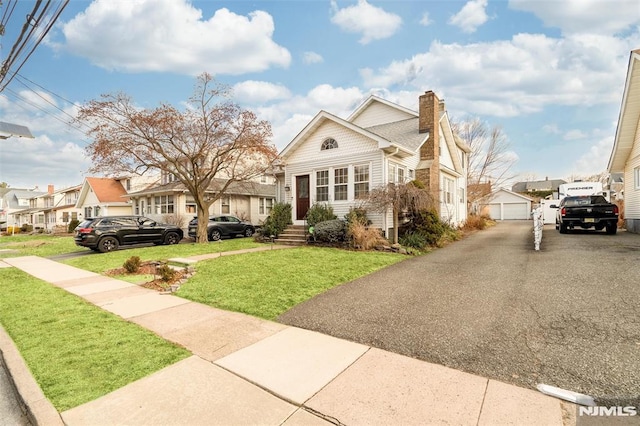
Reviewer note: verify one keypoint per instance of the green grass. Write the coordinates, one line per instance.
(104, 261)
(37, 245)
(76, 351)
(266, 284)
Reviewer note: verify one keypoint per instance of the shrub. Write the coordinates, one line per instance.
(166, 272)
(12, 230)
(428, 224)
(414, 240)
(474, 222)
(357, 215)
(175, 219)
(364, 238)
(26, 228)
(330, 231)
(73, 224)
(320, 213)
(277, 221)
(132, 264)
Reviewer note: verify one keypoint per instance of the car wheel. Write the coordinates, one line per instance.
(214, 235)
(563, 228)
(108, 244)
(612, 228)
(172, 238)
(248, 232)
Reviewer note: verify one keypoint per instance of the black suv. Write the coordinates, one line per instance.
(223, 226)
(107, 233)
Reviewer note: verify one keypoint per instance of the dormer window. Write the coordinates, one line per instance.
(329, 144)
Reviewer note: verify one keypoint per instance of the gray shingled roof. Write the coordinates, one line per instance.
(404, 133)
(236, 188)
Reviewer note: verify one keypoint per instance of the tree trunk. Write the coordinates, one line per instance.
(395, 225)
(203, 220)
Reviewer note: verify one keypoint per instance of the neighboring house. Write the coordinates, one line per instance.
(616, 187)
(337, 161)
(625, 156)
(503, 204)
(251, 201)
(103, 197)
(64, 209)
(537, 186)
(19, 208)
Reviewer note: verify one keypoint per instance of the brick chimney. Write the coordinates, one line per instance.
(50, 189)
(428, 170)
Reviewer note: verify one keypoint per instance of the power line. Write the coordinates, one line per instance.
(37, 25)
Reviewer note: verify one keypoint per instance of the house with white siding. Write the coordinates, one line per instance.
(625, 156)
(337, 161)
(251, 200)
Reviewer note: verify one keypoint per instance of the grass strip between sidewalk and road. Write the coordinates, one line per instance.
(268, 283)
(76, 351)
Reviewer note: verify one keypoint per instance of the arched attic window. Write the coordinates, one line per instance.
(329, 143)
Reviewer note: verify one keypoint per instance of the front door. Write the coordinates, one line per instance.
(302, 196)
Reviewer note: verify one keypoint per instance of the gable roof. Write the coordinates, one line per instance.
(373, 99)
(402, 132)
(107, 190)
(323, 117)
(628, 118)
(515, 194)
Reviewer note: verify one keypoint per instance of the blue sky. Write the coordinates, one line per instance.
(549, 72)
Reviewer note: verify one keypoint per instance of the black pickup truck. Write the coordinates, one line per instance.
(586, 211)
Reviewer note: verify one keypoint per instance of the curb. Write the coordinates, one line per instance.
(38, 408)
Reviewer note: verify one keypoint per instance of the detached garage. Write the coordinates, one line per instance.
(503, 204)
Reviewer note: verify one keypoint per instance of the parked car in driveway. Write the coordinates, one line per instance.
(222, 226)
(107, 233)
(586, 212)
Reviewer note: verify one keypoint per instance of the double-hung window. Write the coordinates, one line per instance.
(322, 185)
(265, 205)
(340, 183)
(361, 181)
(448, 190)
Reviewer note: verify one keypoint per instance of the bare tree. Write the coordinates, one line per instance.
(489, 161)
(399, 197)
(212, 139)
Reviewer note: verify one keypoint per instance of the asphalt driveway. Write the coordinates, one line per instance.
(567, 315)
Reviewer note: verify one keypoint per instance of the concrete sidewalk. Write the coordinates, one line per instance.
(245, 370)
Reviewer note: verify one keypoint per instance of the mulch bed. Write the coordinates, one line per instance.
(149, 268)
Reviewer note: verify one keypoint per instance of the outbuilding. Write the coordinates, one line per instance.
(503, 204)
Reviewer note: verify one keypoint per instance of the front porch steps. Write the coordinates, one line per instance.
(293, 235)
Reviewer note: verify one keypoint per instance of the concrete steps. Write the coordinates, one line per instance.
(294, 235)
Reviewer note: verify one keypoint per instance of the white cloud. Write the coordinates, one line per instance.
(172, 36)
(582, 16)
(574, 134)
(372, 22)
(425, 21)
(471, 16)
(595, 159)
(507, 78)
(255, 92)
(312, 58)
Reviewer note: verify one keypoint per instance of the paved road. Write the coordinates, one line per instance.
(10, 412)
(567, 316)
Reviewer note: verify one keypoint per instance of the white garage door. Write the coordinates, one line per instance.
(515, 211)
(509, 211)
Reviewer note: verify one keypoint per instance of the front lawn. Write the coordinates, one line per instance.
(266, 284)
(100, 262)
(43, 245)
(76, 351)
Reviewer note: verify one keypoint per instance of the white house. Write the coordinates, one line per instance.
(339, 161)
(625, 156)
